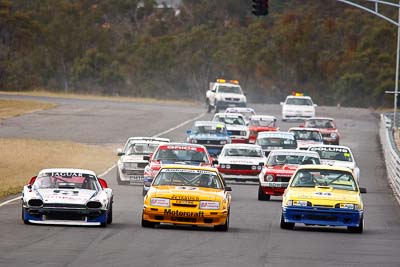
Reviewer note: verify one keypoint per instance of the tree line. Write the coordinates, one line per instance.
(333, 52)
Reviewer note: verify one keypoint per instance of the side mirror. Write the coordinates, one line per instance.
(282, 103)
(261, 164)
(315, 105)
(120, 152)
(215, 162)
(103, 183)
(228, 188)
(188, 132)
(32, 180)
(146, 158)
(363, 190)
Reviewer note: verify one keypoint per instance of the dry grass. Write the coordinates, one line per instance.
(12, 108)
(21, 159)
(40, 92)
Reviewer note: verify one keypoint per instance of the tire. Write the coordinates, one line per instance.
(144, 192)
(110, 214)
(23, 216)
(357, 229)
(216, 107)
(285, 225)
(261, 195)
(147, 224)
(224, 227)
(119, 181)
(209, 107)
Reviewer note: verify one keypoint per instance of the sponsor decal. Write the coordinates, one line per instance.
(65, 197)
(323, 194)
(66, 174)
(169, 212)
(180, 148)
(331, 149)
(185, 197)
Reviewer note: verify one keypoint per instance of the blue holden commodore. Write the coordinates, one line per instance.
(212, 135)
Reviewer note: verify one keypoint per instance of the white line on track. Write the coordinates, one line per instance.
(112, 167)
(9, 201)
(180, 125)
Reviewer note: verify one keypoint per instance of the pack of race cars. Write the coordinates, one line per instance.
(187, 182)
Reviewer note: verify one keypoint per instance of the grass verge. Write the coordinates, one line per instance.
(21, 159)
(12, 108)
(99, 97)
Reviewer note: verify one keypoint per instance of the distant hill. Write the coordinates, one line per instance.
(333, 52)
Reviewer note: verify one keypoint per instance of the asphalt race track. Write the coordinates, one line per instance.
(254, 238)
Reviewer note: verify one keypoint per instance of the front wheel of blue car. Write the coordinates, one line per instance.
(357, 229)
(286, 225)
(110, 214)
(23, 216)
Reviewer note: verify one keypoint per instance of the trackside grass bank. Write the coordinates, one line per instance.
(99, 97)
(12, 108)
(20, 159)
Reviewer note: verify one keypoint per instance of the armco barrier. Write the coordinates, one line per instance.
(391, 154)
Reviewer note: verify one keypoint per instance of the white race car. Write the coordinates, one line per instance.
(241, 162)
(306, 137)
(340, 156)
(67, 197)
(236, 126)
(297, 107)
(246, 112)
(130, 166)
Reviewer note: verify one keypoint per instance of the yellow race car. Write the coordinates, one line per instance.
(323, 195)
(188, 195)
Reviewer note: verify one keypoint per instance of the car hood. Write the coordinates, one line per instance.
(322, 195)
(186, 193)
(338, 163)
(298, 107)
(208, 137)
(326, 131)
(66, 196)
(282, 169)
(262, 129)
(157, 165)
(240, 160)
(232, 127)
(232, 95)
(307, 143)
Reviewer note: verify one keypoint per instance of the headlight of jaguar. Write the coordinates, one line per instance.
(333, 135)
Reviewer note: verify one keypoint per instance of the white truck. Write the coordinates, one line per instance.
(223, 94)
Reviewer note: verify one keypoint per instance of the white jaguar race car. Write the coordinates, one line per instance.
(67, 197)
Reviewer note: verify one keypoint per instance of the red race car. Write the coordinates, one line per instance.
(174, 153)
(281, 164)
(327, 126)
(261, 123)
